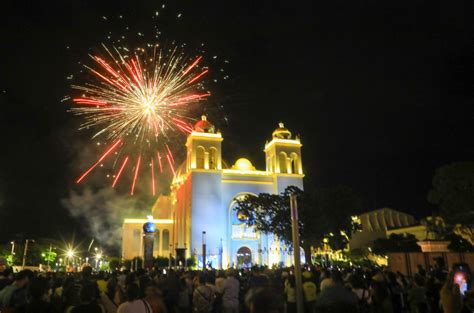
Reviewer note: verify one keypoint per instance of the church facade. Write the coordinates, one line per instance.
(200, 208)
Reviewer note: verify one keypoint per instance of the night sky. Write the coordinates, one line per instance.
(379, 91)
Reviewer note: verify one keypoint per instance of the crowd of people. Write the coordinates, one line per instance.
(256, 290)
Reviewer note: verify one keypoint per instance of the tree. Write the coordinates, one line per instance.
(114, 263)
(396, 243)
(325, 213)
(161, 262)
(435, 227)
(360, 257)
(49, 256)
(5, 253)
(458, 243)
(453, 193)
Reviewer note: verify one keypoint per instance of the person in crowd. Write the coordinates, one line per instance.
(309, 292)
(220, 281)
(336, 297)
(265, 300)
(433, 289)
(154, 297)
(396, 291)
(120, 294)
(56, 292)
(101, 282)
(38, 297)
(88, 302)
(6, 278)
(203, 296)
(184, 300)
(230, 293)
(359, 286)
(134, 304)
(417, 298)
(85, 281)
(381, 299)
(450, 296)
(170, 287)
(14, 295)
(257, 280)
(326, 279)
(421, 270)
(290, 293)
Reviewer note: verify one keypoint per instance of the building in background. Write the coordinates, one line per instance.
(203, 196)
(132, 231)
(380, 224)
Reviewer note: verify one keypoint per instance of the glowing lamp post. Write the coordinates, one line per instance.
(25, 252)
(203, 250)
(69, 256)
(149, 229)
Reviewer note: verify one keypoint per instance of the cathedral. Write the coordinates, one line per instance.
(200, 207)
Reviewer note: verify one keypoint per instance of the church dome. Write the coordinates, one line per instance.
(204, 126)
(243, 164)
(281, 132)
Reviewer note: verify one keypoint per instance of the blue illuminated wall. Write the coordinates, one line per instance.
(213, 195)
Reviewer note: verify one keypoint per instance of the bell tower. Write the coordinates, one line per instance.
(205, 213)
(204, 147)
(283, 158)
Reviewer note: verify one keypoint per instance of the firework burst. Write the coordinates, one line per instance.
(137, 102)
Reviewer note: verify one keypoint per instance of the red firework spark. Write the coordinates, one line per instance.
(138, 103)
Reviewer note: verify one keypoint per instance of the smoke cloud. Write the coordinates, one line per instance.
(104, 211)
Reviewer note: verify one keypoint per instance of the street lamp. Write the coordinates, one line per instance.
(69, 256)
(203, 250)
(25, 252)
(49, 255)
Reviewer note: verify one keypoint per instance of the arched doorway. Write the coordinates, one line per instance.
(244, 258)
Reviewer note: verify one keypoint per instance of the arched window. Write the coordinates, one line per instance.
(238, 220)
(200, 157)
(213, 158)
(282, 159)
(294, 163)
(166, 240)
(237, 217)
(156, 244)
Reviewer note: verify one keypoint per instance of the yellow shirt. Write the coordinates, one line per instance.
(102, 284)
(309, 290)
(290, 292)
